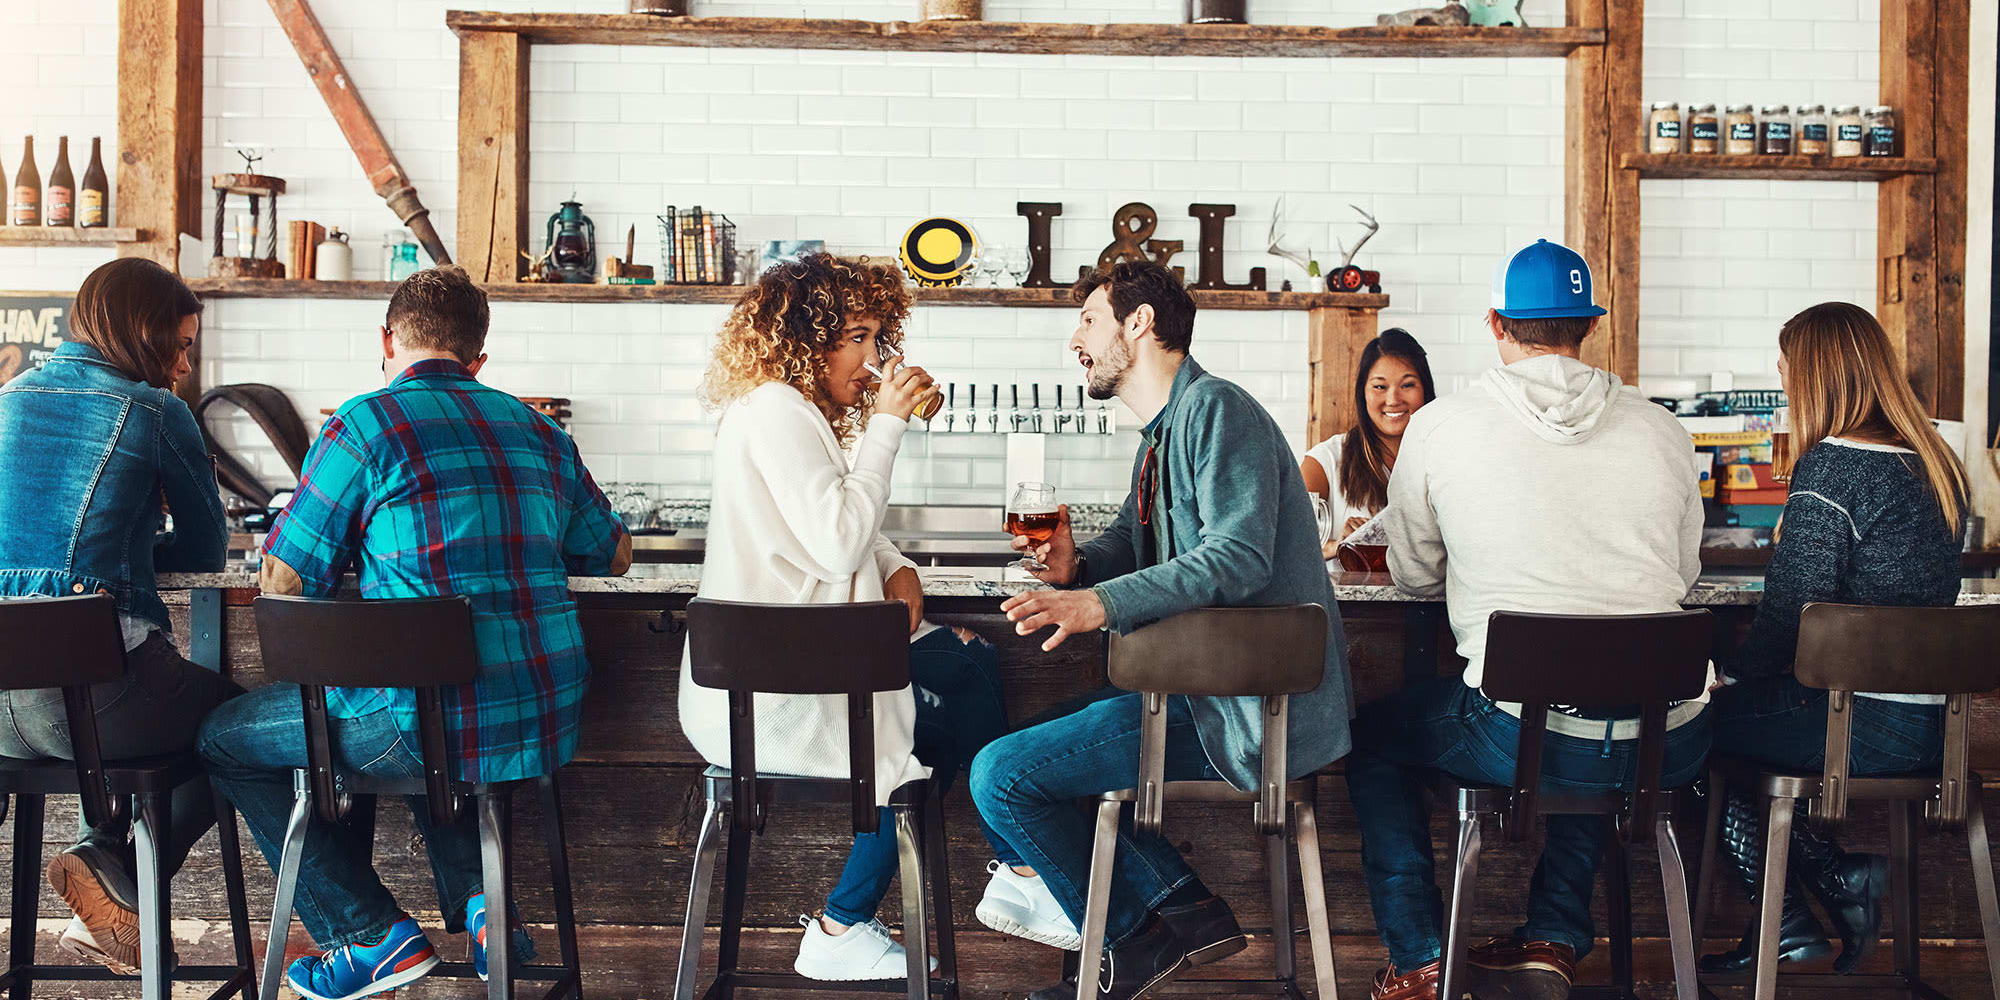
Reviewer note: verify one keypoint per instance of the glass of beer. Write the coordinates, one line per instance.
(1031, 514)
(1781, 446)
(928, 406)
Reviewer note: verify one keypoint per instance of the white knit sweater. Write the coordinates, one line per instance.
(791, 523)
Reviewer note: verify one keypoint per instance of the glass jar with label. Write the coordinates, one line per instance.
(1847, 130)
(1811, 138)
(1704, 129)
(1740, 128)
(1879, 131)
(1774, 133)
(1663, 128)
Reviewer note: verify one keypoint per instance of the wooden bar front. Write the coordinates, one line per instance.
(633, 806)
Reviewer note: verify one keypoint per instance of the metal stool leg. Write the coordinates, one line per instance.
(916, 924)
(1673, 881)
(28, 814)
(1097, 904)
(1771, 899)
(288, 884)
(1310, 879)
(735, 886)
(1903, 885)
(493, 850)
(558, 847)
(155, 821)
(1982, 881)
(1618, 908)
(1464, 896)
(695, 922)
(940, 882)
(1711, 852)
(232, 880)
(1284, 943)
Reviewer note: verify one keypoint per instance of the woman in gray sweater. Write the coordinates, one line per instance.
(1874, 516)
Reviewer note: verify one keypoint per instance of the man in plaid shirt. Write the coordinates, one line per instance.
(434, 485)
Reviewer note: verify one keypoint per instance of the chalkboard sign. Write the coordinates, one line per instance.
(31, 328)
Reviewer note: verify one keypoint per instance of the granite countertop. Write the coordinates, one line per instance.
(947, 581)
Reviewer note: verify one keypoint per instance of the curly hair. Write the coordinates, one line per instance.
(782, 327)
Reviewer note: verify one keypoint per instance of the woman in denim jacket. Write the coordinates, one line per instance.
(93, 446)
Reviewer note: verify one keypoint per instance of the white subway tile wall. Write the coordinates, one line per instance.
(1459, 159)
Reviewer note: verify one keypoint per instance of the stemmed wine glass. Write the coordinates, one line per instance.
(1032, 514)
(1018, 261)
(992, 261)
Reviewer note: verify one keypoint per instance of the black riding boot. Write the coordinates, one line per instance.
(1849, 888)
(1799, 933)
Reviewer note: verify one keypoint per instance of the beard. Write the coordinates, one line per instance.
(1107, 374)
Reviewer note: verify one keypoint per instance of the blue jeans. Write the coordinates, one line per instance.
(253, 743)
(1026, 784)
(1778, 721)
(960, 709)
(1443, 725)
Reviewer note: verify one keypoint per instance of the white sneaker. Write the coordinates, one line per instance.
(1022, 905)
(866, 951)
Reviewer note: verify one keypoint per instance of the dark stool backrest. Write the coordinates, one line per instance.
(70, 643)
(1268, 653)
(421, 643)
(1844, 648)
(1634, 664)
(751, 649)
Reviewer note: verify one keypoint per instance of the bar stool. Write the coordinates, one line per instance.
(1845, 648)
(73, 643)
(423, 643)
(1622, 664)
(1269, 653)
(856, 650)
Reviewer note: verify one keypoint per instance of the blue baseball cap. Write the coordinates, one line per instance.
(1542, 281)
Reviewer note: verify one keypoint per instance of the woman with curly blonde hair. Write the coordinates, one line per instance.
(803, 455)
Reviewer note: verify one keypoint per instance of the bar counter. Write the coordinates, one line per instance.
(632, 795)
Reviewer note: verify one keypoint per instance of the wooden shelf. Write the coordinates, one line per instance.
(1032, 38)
(1775, 168)
(60, 236)
(1047, 298)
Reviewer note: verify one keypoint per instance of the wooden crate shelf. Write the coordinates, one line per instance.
(1684, 166)
(64, 236)
(1030, 38)
(1048, 298)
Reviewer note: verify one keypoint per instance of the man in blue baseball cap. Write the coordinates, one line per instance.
(1548, 486)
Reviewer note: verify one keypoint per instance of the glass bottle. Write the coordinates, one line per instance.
(1704, 129)
(1812, 136)
(27, 210)
(60, 198)
(93, 204)
(1774, 132)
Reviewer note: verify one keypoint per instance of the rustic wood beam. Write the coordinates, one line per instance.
(1601, 199)
(1906, 207)
(158, 159)
(1334, 339)
(492, 154)
(1950, 137)
(1282, 40)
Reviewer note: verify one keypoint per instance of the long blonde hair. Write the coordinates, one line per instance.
(783, 326)
(1842, 378)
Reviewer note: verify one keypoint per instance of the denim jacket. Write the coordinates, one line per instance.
(86, 454)
(1242, 534)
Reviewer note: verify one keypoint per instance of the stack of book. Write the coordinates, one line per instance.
(697, 247)
(304, 248)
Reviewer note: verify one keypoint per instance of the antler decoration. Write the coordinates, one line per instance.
(1348, 258)
(1277, 237)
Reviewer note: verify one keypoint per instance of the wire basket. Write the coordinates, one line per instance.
(697, 248)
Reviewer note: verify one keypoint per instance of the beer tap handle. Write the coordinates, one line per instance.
(950, 406)
(993, 422)
(1079, 410)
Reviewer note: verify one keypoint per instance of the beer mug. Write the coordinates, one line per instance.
(928, 406)
(1781, 445)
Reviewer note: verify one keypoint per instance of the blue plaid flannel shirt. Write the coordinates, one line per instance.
(440, 485)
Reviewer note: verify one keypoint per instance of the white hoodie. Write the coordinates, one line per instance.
(1548, 487)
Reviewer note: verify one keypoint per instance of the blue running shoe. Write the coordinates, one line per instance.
(402, 956)
(475, 932)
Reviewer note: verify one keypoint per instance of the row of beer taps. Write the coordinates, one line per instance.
(1013, 418)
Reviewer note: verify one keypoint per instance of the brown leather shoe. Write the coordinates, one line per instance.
(1529, 970)
(1420, 983)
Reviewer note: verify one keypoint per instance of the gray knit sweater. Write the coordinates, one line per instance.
(1861, 527)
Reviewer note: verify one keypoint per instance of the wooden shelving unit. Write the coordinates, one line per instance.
(1031, 38)
(62, 236)
(1687, 166)
(1047, 298)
